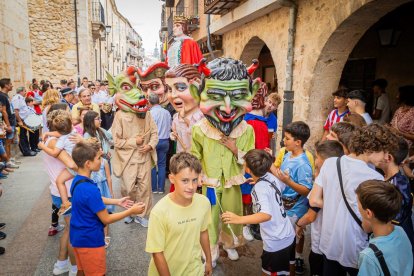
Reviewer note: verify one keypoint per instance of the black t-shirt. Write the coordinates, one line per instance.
(4, 99)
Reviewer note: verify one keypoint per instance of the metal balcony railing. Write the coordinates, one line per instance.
(98, 14)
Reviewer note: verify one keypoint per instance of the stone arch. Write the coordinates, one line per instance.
(253, 50)
(334, 54)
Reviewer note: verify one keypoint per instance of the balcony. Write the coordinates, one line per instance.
(220, 6)
(98, 21)
(216, 42)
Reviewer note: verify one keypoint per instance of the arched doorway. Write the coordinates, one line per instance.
(335, 53)
(257, 49)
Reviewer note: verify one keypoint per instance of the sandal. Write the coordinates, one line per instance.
(107, 241)
(4, 172)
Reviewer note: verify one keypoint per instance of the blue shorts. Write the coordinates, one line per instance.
(10, 135)
(2, 150)
(57, 201)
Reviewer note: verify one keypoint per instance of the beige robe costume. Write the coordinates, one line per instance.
(132, 167)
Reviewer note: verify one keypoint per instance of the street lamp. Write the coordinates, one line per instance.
(108, 29)
(389, 37)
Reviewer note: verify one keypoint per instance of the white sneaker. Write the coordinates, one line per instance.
(73, 273)
(11, 165)
(247, 234)
(128, 220)
(232, 254)
(57, 270)
(15, 161)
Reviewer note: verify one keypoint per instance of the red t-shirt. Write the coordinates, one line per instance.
(33, 95)
(261, 135)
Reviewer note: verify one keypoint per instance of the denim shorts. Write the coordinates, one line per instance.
(57, 201)
(10, 135)
(2, 150)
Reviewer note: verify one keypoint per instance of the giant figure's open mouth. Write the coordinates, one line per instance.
(224, 117)
(140, 107)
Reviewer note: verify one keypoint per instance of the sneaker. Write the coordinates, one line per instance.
(60, 227)
(154, 192)
(142, 221)
(107, 241)
(232, 254)
(128, 220)
(65, 208)
(57, 270)
(299, 266)
(2, 250)
(246, 233)
(160, 192)
(73, 273)
(15, 161)
(11, 165)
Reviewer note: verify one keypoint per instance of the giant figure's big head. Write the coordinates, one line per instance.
(177, 80)
(153, 81)
(226, 92)
(128, 97)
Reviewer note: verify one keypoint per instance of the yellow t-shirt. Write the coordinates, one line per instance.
(281, 154)
(75, 110)
(175, 231)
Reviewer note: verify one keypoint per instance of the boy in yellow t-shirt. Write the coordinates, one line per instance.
(178, 224)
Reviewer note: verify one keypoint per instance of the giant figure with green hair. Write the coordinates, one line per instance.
(220, 141)
(135, 138)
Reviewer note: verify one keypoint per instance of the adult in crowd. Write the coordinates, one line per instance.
(49, 99)
(22, 111)
(381, 108)
(403, 119)
(37, 95)
(9, 118)
(63, 84)
(357, 99)
(162, 119)
(85, 98)
(67, 96)
(104, 101)
(84, 85)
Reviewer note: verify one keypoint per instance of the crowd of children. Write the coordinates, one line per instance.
(353, 194)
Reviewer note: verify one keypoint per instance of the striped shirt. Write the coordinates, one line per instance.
(334, 118)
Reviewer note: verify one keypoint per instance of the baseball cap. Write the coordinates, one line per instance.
(66, 91)
(357, 94)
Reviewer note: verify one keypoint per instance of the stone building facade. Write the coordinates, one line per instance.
(327, 41)
(65, 39)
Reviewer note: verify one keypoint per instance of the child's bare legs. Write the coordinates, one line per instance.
(65, 246)
(64, 176)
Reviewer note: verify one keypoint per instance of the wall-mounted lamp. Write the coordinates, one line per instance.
(108, 29)
(389, 37)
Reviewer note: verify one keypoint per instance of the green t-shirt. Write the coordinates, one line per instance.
(175, 231)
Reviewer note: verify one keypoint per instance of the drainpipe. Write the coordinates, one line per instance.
(77, 40)
(208, 38)
(288, 94)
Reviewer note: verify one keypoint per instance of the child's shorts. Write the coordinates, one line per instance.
(92, 261)
(279, 261)
(10, 135)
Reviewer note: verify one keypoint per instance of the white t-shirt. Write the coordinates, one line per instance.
(316, 227)
(277, 233)
(367, 118)
(341, 238)
(383, 104)
(64, 143)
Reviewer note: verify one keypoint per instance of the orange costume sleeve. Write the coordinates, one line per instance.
(190, 52)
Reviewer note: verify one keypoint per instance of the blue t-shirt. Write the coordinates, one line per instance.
(86, 229)
(271, 122)
(300, 171)
(396, 249)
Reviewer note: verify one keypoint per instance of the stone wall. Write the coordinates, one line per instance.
(326, 33)
(15, 49)
(53, 39)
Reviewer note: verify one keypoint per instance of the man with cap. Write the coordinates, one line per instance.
(67, 96)
(357, 100)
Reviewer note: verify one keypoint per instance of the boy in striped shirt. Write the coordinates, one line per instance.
(338, 114)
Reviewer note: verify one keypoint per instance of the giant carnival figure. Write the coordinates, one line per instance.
(220, 141)
(184, 49)
(178, 81)
(135, 138)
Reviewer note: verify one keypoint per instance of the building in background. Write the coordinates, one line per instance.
(306, 48)
(66, 39)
